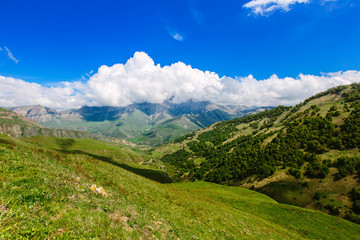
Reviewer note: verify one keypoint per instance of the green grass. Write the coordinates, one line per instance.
(90, 146)
(4, 110)
(10, 118)
(45, 193)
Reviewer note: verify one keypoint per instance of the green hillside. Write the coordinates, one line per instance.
(166, 131)
(307, 155)
(46, 194)
(129, 125)
(8, 117)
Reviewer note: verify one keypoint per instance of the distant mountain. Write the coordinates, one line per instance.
(307, 155)
(37, 113)
(16, 125)
(145, 123)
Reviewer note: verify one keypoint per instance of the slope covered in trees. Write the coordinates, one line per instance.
(307, 142)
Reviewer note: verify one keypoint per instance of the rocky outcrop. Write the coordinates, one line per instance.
(36, 112)
(11, 130)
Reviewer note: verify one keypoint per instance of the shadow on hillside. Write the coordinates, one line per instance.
(65, 144)
(4, 141)
(155, 175)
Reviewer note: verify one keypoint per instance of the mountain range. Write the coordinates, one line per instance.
(144, 123)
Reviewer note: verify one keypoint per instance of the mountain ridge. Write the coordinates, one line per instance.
(135, 121)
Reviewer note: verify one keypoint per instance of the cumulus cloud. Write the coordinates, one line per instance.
(281, 91)
(10, 55)
(16, 92)
(263, 7)
(141, 80)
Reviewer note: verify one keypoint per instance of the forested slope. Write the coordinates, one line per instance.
(317, 139)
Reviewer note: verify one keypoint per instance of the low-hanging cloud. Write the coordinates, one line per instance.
(263, 7)
(16, 92)
(141, 80)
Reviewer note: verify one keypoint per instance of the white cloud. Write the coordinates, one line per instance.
(177, 36)
(16, 92)
(10, 55)
(281, 91)
(140, 80)
(264, 7)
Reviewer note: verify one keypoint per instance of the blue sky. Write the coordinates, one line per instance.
(62, 40)
(48, 42)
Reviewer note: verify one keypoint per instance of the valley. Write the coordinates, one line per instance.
(180, 120)
(143, 123)
(302, 161)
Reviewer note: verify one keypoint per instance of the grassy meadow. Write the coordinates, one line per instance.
(45, 194)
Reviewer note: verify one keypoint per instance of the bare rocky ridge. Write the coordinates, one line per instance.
(36, 112)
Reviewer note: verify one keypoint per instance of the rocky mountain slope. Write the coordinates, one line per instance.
(144, 123)
(307, 155)
(16, 125)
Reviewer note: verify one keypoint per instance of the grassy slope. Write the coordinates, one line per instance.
(45, 194)
(9, 117)
(282, 186)
(166, 131)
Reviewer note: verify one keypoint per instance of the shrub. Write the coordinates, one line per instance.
(353, 218)
(356, 206)
(296, 173)
(317, 196)
(355, 194)
(332, 209)
(316, 169)
(346, 166)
